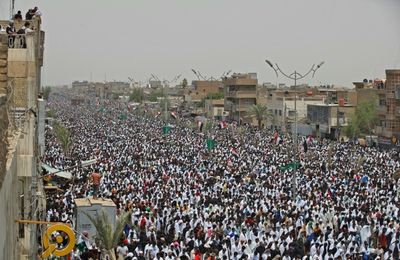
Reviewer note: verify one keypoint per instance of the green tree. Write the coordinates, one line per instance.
(115, 96)
(137, 95)
(259, 111)
(364, 119)
(63, 136)
(107, 236)
(46, 92)
(51, 113)
(184, 83)
(214, 95)
(154, 95)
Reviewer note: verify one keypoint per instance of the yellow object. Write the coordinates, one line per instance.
(51, 249)
(36, 222)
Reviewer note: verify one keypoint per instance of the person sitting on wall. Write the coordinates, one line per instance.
(37, 14)
(24, 30)
(29, 15)
(10, 30)
(18, 16)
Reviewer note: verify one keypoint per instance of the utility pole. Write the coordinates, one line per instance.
(294, 76)
(12, 9)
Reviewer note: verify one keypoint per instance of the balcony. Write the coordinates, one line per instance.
(17, 41)
(241, 94)
(237, 108)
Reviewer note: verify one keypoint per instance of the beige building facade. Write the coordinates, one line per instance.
(21, 192)
(240, 93)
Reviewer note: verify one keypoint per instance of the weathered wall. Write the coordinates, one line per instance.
(9, 208)
(3, 108)
(3, 137)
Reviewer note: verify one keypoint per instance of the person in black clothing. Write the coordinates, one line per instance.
(29, 15)
(10, 30)
(18, 16)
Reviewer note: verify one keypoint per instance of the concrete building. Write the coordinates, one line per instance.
(81, 86)
(22, 134)
(390, 123)
(201, 89)
(240, 92)
(326, 120)
(281, 108)
(216, 108)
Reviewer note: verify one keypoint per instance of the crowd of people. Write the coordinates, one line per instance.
(238, 200)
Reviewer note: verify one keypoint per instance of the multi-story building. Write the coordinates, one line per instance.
(240, 92)
(195, 94)
(391, 125)
(281, 107)
(215, 108)
(327, 120)
(22, 136)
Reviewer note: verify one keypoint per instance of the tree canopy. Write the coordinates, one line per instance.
(259, 111)
(137, 95)
(108, 236)
(363, 121)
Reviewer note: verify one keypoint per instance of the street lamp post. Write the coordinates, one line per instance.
(294, 76)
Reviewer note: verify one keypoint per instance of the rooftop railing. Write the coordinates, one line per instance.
(17, 41)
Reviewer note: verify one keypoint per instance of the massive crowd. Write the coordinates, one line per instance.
(235, 201)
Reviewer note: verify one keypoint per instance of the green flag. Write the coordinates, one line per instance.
(123, 116)
(166, 129)
(290, 166)
(210, 144)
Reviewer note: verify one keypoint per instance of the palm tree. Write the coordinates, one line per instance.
(107, 236)
(64, 137)
(259, 112)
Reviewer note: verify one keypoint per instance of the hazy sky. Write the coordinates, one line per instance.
(357, 38)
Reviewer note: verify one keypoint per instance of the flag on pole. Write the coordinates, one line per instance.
(223, 125)
(277, 138)
(166, 129)
(234, 151)
(123, 116)
(173, 114)
(210, 144)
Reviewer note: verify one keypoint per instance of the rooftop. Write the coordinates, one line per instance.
(88, 202)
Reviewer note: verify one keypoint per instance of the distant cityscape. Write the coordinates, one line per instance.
(323, 111)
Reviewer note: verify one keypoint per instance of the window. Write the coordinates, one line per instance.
(397, 92)
(382, 102)
(280, 112)
(341, 118)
